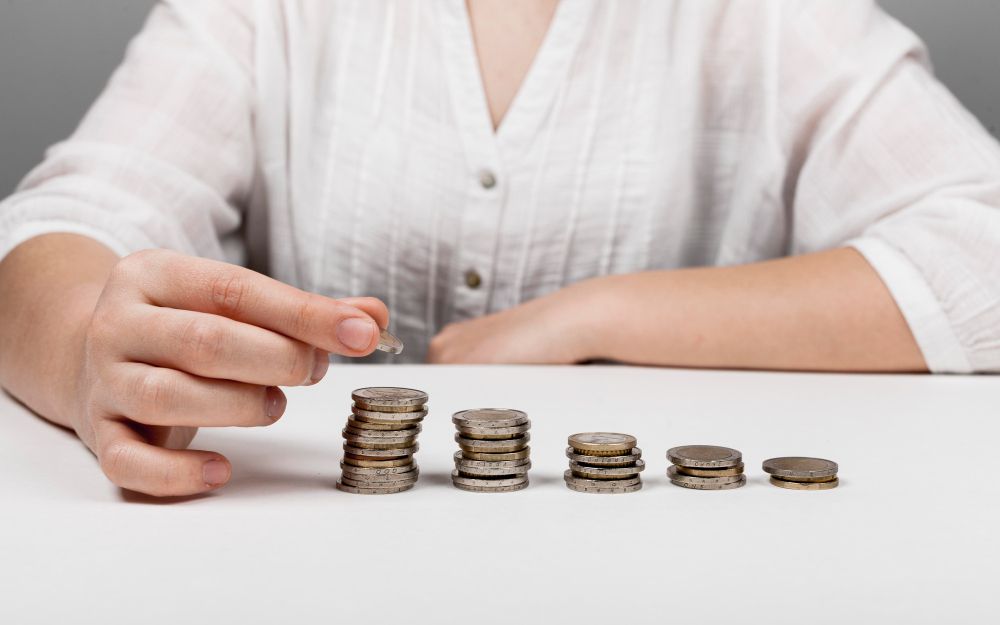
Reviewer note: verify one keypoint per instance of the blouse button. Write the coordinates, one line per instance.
(488, 179)
(472, 279)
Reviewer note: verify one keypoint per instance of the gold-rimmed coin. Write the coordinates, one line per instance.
(583, 482)
(391, 418)
(489, 418)
(695, 472)
(381, 453)
(380, 444)
(704, 456)
(486, 464)
(800, 467)
(389, 398)
(604, 461)
(392, 426)
(602, 443)
(829, 484)
(377, 463)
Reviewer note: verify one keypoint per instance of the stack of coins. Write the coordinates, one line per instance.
(706, 467)
(380, 439)
(798, 473)
(604, 462)
(494, 456)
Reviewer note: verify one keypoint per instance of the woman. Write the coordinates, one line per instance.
(690, 182)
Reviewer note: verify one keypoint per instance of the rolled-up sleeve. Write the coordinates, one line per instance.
(165, 157)
(883, 158)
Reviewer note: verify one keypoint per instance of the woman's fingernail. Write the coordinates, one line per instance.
(215, 472)
(276, 402)
(355, 333)
(320, 366)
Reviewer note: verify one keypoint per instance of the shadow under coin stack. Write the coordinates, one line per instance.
(797, 473)
(604, 462)
(495, 457)
(706, 467)
(380, 439)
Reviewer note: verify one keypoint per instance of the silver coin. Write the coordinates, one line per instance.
(605, 461)
(522, 454)
(588, 483)
(389, 343)
(380, 397)
(704, 456)
(381, 453)
(621, 490)
(376, 481)
(494, 433)
(394, 426)
(410, 432)
(800, 467)
(606, 473)
(508, 445)
(742, 481)
(350, 468)
(492, 489)
(467, 471)
(677, 476)
(489, 418)
(398, 418)
(374, 491)
(457, 478)
(489, 464)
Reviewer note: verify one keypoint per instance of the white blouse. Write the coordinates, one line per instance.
(345, 146)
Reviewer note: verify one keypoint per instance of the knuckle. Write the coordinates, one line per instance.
(201, 341)
(151, 393)
(229, 293)
(300, 364)
(304, 315)
(118, 461)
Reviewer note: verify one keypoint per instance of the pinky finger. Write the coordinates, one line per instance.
(132, 463)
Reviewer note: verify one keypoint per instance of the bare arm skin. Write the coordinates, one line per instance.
(135, 354)
(823, 312)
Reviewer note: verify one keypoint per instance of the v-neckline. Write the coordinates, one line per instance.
(538, 88)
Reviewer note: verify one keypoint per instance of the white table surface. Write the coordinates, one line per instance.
(911, 536)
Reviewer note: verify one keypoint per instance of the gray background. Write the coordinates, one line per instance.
(55, 56)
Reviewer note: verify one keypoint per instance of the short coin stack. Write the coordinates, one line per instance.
(799, 473)
(706, 467)
(604, 462)
(495, 456)
(380, 439)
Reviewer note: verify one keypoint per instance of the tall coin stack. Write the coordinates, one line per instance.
(495, 456)
(604, 462)
(380, 439)
(706, 467)
(797, 473)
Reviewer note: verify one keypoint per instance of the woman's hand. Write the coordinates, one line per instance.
(555, 329)
(176, 343)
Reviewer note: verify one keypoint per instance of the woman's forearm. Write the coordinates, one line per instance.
(827, 312)
(48, 289)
